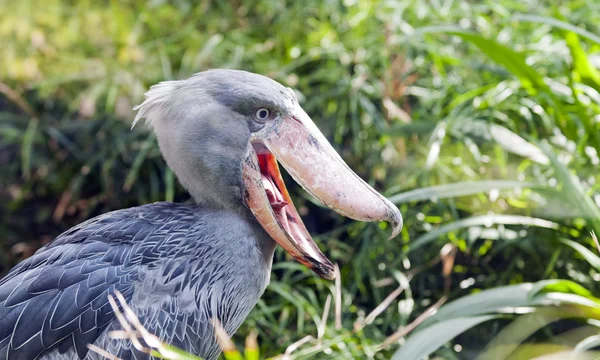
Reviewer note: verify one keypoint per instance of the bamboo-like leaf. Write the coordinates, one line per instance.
(588, 255)
(27, 147)
(574, 190)
(137, 163)
(516, 144)
(483, 220)
(180, 354)
(558, 24)
(512, 60)
(588, 343)
(500, 299)
(523, 327)
(456, 190)
(425, 342)
(508, 299)
(169, 177)
(469, 95)
(581, 65)
(565, 291)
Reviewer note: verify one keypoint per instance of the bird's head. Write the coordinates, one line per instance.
(223, 132)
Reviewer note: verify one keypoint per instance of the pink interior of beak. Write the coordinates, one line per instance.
(280, 205)
(286, 226)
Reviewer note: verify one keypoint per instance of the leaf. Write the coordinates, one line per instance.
(483, 302)
(589, 256)
(523, 327)
(425, 342)
(456, 190)
(435, 144)
(27, 147)
(581, 64)
(514, 143)
(251, 350)
(483, 220)
(587, 343)
(169, 177)
(573, 189)
(563, 290)
(506, 299)
(559, 24)
(232, 355)
(512, 60)
(137, 163)
(460, 98)
(179, 354)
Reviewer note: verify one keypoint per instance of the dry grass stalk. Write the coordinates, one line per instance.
(251, 341)
(447, 256)
(290, 349)
(133, 330)
(360, 324)
(323, 324)
(338, 298)
(595, 240)
(410, 327)
(17, 99)
(222, 337)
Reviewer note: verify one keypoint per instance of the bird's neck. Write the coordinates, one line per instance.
(215, 196)
(263, 240)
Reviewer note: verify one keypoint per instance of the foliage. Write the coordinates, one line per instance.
(479, 119)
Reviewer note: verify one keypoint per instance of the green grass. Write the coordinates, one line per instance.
(478, 119)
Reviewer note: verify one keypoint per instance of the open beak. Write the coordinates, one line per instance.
(297, 143)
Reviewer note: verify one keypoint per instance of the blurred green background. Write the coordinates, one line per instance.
(479, 119)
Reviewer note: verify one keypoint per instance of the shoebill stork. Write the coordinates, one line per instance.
(223, 133)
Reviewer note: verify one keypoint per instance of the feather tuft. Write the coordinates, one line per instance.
(150, 109)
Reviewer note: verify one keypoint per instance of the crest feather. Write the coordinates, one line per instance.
(156, 97)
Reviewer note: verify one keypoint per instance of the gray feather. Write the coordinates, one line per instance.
(176, 283)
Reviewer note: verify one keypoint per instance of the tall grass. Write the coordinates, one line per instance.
(478, 119)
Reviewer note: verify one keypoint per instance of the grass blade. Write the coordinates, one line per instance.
(512, 60)
(574, 190)
(581, 64)
(516, 144)
(27, 147)
(558, 24)
(456, 190)
(425, 342)
(483, 220)
(589, 256)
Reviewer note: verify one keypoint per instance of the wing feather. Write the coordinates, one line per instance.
(59, 296)
(57, 300)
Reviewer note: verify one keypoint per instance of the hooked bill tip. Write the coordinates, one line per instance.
(395, 219)
(324, 269)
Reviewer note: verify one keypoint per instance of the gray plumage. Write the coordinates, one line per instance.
(177, 265)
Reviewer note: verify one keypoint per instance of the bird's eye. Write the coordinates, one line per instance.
(262, 114)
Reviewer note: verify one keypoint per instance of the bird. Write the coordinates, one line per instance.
(179, 266)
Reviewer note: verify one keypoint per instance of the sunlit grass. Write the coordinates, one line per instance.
(478, 119)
